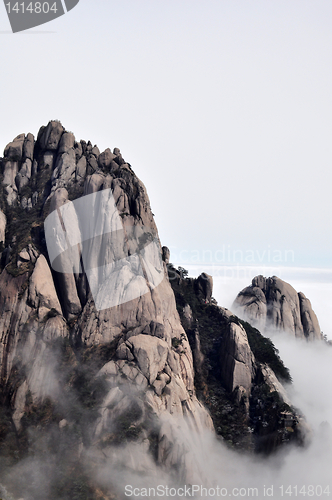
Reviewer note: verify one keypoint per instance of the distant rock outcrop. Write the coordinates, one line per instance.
(271, 302)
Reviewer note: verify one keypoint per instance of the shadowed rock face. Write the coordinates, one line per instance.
(238, 372)
(148, 384)
(271, 302)
(3, 222)
(204, 287)
(237, 360)
(93, 354)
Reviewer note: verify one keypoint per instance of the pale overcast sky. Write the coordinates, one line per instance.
(223, 108)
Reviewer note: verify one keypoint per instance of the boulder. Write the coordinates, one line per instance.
(67, 142)
(309, 319)
(118, 160)
(19, 405)
(150, 353)
(105, 158)
(155, 329)
(237, 359)
(24, 175)
(95, 151)
(123, 352)
(3, 221)
(92, 163)
(49, 137)
(11, 195)
(47, 160)
(14, 150)
(34, 198)
(283, 309)
(28, 147)
(34, 167)
(273, 303)
(78, 150)
(65, 166)
(204, 287)
(109, 370)
(93, 183)
(23, 257)
(81, 168)
(9, 173)
(166, 254)
(68, 262)
(273, 383)
(113, 166)
(42, 293)
(252, 302)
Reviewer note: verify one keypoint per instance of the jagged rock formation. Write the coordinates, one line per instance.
(2, 227)
(103, 344)
(237, 361)
(132, 362)
(204, 287)
(238, 373)
(273, 303)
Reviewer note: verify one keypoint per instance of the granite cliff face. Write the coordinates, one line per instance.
(104, 346)
(273, 303)
(56, 344)
(238, 373)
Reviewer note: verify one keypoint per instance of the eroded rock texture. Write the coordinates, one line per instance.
(98, 372)
(128, 368)
(273, 303)
(238, 373)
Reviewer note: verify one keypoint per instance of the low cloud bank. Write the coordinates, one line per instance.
(220, 472)
(302, 471)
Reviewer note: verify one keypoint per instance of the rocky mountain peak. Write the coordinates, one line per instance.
(273, 303)
(87, 307)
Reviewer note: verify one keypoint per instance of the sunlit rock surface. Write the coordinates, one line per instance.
(104, 346)
(78, 315)
(273, 303)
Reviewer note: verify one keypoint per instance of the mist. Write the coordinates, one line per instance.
(216, 470)
(310, 366)
(229, 280)
(306, 469)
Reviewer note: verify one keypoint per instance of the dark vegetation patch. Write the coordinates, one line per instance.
(176, 342)
(265, 351)
(8, 438)
(56, 448)
(75, 190)
(267, 411)
(125, 427)
(228, 415)
(25, 267)
(27, 226)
